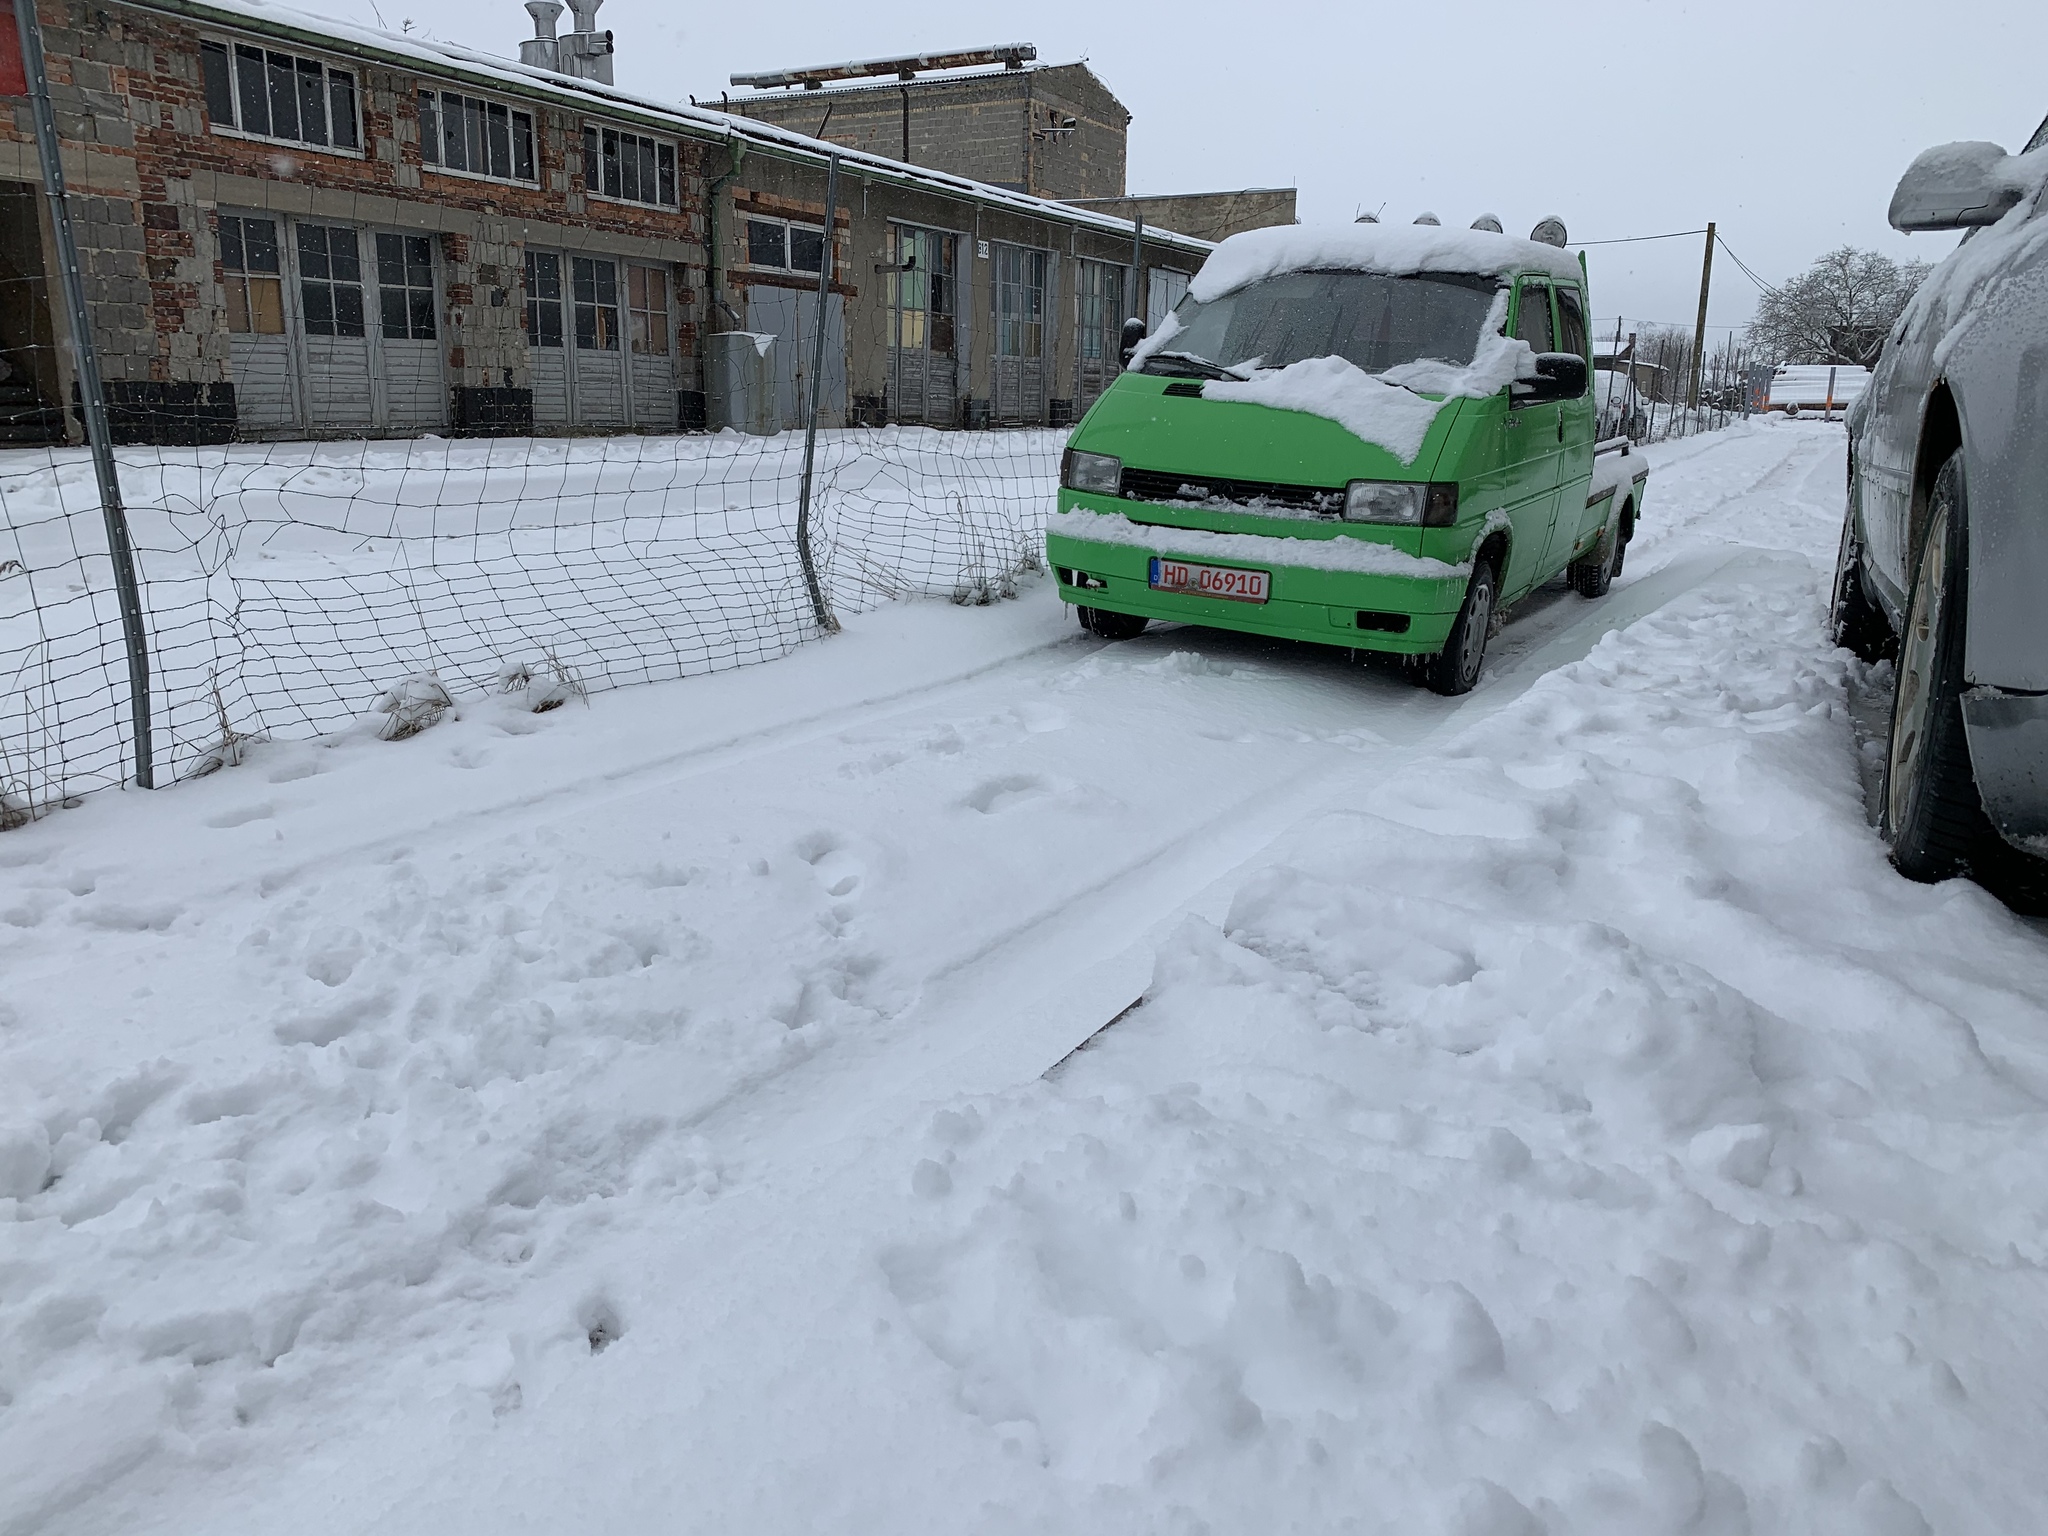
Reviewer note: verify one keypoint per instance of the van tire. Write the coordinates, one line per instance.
(1112, 626)
(1592, 576)
(1454, 669)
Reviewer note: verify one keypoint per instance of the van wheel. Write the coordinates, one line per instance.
(1593, 575)
(1454, 669)
(1855, 623)
(1112, 626)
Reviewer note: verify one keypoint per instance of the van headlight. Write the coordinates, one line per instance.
(1404, 503)
(1099, 474)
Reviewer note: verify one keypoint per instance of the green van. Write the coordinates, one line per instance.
(1372, 436)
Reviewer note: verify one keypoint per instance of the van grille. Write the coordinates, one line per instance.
(1252, 495)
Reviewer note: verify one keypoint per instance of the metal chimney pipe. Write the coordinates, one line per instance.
(542, 51)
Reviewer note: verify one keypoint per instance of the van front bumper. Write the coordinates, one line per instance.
(1406, 615)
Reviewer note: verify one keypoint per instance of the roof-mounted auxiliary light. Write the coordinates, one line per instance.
(1550, 232)
(1428, 218)
(1489, 223)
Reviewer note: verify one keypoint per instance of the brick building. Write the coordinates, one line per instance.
(291, 226)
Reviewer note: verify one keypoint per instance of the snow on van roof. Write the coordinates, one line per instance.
(1395, 249)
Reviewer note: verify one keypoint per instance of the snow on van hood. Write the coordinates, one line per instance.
(1386, 410)
(1395, 249)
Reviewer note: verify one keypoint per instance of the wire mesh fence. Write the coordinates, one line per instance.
(290, 589)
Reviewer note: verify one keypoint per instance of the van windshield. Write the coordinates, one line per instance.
(1374, 321)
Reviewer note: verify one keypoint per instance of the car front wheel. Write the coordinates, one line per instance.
(1932, 816)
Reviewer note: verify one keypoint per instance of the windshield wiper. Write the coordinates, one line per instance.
(1198, 367)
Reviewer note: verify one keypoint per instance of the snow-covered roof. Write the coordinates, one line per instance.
(445, 58)
(1395, 249)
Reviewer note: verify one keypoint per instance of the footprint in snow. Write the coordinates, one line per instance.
(994, 796)
(838, 870)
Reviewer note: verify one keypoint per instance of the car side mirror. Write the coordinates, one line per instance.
(1955, 186)
(1559, 376)
(1134, 333)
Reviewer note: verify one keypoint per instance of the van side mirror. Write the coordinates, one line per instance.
(1559, 376)
(1134, 333)
(1955, 186)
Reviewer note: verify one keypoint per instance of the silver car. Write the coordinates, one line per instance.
(1944, 555)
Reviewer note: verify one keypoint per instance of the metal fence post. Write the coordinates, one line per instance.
(86, 368)
(819, 606)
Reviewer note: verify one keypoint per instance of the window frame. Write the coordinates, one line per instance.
(1523, 288)
(1558, 292)
(374, 265)
(788, 226)
(229, 43)
(592, 185)
(241, 275)
(1022, 320)
(636, 314)
(513, 111)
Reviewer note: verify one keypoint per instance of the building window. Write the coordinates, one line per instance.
(1102, 302)
(405, 286)
(253, 274)
(629, 167)
(785, 247)
(925, 288)
(274, 95)
(596, 285)
(647, 299)
(330, 280)
(480, 138)
(543, 299)
(1020, 302)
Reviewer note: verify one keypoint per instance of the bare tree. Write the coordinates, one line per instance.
(1837, 311)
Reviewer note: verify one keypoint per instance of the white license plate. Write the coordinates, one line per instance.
(1210, 580)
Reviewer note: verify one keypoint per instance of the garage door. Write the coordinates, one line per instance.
(601, 340)
(332, 328)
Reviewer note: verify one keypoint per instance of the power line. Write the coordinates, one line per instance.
(1762, 286)
(1676, 234)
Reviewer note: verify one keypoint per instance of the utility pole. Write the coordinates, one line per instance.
(1699, 335)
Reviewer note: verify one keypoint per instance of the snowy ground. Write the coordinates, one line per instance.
(1543, 1112)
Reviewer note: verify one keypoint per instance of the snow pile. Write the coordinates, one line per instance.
(1394, 249)
(1393, 410)
(1811, 385)
(1585, 1133)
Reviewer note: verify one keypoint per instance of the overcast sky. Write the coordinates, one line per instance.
(1788, 124)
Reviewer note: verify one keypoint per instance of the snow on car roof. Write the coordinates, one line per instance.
(1395, 249)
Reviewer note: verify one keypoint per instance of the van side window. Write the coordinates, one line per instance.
(1571, 322)
(1532, 317)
